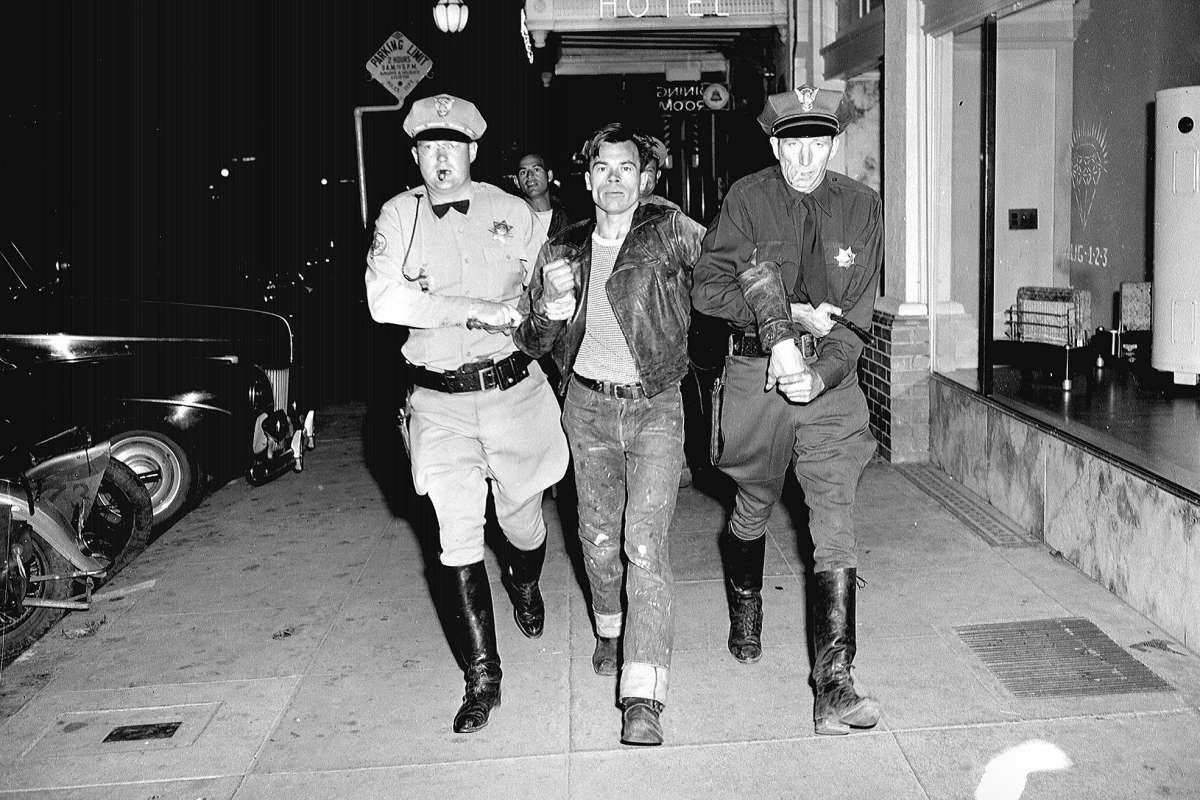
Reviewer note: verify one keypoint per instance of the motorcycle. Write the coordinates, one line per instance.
(70, 517)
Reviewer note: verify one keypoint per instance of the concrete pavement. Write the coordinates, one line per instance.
(289, 631)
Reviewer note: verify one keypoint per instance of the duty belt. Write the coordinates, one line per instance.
(622, 391)
(474, 377)
(746, 344)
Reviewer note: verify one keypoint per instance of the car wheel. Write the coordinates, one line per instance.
(164, 468)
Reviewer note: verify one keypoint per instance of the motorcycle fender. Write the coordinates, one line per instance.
(70, 481)
(48, 524)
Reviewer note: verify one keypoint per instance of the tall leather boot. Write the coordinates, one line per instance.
(744, 568)
(475, 629)
(837, 707)
(521, 579)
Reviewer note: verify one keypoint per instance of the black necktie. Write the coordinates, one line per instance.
(460, 206)
(814, 285)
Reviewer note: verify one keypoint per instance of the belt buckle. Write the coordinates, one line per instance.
(506, 373)
(488, 377)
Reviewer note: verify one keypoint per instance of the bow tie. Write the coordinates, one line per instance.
(460, 206)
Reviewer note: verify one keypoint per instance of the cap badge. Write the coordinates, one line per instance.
(806, 95)
(845, 257)
(442, 104)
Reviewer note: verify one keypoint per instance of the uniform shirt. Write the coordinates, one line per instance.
(763, 217)
(424, 272)
(603, 353)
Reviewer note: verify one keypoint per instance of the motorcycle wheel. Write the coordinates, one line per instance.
(18, 631)
(118, 527)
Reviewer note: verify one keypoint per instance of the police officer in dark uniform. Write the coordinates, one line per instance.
(792, 262)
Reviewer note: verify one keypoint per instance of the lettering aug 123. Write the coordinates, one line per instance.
(1090, 255)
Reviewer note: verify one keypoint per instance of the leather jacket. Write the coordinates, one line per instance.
(649, 290)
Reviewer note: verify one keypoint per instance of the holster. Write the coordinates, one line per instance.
(403, 419)
(716, 440)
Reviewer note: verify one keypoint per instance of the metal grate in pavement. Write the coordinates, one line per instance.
(1060, 657)
(978, 514)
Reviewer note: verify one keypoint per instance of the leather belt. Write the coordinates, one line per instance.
(475, 377)
(747, 344)
(622, 391)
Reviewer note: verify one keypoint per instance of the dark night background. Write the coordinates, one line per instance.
(120, 116)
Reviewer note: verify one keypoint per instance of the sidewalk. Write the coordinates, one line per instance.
(290, 631)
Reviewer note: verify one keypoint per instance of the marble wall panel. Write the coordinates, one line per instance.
(958, 435)
(1016, 470)
(1134, 538)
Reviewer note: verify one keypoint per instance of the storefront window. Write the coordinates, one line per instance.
(956, 348)
(1076, 267)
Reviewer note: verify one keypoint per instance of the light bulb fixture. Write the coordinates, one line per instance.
(450, 16)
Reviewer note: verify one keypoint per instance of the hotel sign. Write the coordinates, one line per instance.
(636, 9)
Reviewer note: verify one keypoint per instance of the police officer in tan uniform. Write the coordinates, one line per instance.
(450, 260)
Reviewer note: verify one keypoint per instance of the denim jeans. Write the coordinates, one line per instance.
(627, 456)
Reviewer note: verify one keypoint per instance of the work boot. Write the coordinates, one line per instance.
(604, 658)
(521, 580)
(837, 707)
(744, 568)
(640, 724)
(475, 630)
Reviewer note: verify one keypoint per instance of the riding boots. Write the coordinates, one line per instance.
(475, 631)
(744, 568)
(521, 579)
(837, 707)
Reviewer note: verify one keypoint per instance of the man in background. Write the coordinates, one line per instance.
(534, 179)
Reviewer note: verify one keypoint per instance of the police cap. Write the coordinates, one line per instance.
(803, 112)
(444, 117)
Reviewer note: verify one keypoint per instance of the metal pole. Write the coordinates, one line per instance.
(358, 144)
(987, 239)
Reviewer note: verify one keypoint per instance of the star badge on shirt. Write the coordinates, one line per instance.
(501, 230)
(845, 257)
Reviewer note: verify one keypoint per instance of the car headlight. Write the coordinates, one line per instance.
(261, 397)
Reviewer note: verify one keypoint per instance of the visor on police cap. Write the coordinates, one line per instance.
(803, 112)
(444, 117)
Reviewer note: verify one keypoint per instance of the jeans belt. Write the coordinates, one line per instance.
(747, 344)
(475, 377)
(622, 391)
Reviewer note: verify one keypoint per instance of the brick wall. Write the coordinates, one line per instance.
(894, 373)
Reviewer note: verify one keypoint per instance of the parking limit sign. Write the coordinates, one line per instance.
(399, 65)
(716, 96)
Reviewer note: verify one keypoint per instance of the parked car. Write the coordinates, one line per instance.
(184, 391)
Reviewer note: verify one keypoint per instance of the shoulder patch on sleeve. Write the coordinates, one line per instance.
(378, 244)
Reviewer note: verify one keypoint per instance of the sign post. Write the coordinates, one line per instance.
(399, 65)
